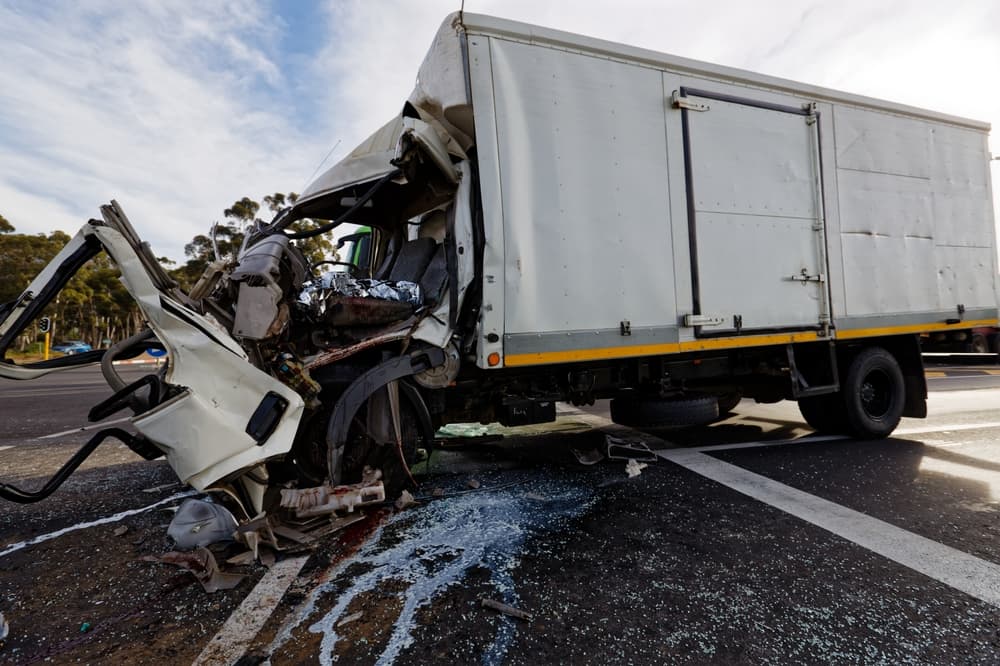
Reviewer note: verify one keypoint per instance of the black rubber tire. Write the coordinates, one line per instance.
(979, 344)
(648, 412)
(728, 401)
(874, 394)
(825, 414)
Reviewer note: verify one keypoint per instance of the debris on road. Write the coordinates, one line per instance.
(201, 523)
(156, 489)
(507, 610)
(327, 499)
(351, 618)
(405, 500)
(634, 468)
(587, 456)
(437, 492)
(200, 562)
(85, 627)
(4, 627)
(618, 448)
(121, 530)
(473, 483)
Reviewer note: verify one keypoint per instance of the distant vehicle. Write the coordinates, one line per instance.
(71, 347)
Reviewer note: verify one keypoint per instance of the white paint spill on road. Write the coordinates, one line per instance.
(93, 523)
(433, 548)
(246, 621)
(84, 428)
(962, 571)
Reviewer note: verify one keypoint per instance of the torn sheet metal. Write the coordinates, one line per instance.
(202, 564)
(201, 523)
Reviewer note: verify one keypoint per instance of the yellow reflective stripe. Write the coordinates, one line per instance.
(605, 353)
(706, 344)
(911, 328)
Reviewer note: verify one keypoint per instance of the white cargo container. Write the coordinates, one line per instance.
(584, 220)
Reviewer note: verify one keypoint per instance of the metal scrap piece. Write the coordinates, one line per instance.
(202, 564)
(618, 448)
(507, 610)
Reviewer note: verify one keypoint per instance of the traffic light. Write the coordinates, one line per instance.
(44, 324)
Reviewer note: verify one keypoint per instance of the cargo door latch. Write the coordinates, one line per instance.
(805, 277)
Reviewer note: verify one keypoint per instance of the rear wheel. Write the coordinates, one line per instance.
(826, 414)
(874, 394)
(979, 344)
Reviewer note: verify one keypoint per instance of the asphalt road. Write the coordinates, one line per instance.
(748, 541)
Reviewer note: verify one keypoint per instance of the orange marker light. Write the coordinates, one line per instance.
(493, 359)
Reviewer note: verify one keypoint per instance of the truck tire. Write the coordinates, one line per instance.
(979, 344)
(825, 414)
(874, 394)
(647, 412)
(728, 401)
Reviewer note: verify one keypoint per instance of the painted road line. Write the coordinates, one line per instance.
(102, 424)
(962, 571)
(93, 523)
(248, 619)
(936, 374)
(4, 448)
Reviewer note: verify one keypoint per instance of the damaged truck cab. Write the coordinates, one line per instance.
(555, 218)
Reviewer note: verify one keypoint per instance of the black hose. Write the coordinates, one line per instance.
(122, 398)
(14, 494)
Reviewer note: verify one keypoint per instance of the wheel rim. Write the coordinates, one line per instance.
(876, 394)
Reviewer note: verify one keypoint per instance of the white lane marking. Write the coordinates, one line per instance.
(84, 428)
(962, 571)
(248, 619)
(941, 429)
(93, 523)
(4, 448)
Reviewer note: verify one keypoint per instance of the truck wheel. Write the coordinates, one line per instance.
(825, 413)
(647, 412)
(873, 394)
(979, 345)
(728, 401)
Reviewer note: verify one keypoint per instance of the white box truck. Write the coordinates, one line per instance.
(559, 218)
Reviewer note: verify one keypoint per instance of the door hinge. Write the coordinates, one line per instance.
(678, 101)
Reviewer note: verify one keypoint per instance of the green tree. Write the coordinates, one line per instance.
(5, 226)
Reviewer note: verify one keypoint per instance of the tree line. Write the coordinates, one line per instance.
(94, 306)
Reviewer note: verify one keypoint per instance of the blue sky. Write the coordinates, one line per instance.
(177, 109)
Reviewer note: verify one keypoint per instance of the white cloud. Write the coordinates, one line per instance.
(177, 110)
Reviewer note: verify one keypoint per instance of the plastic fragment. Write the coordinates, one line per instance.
(634, 468)
(327, 499)
(404, 500)
(351, 618)
(121, 530)
(507, 610)
(85, 627)
(4, 627)
(587, 456)
(473, 483)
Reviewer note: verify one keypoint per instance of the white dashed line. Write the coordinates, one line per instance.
(247, 620)
(962, 571)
